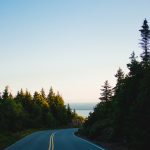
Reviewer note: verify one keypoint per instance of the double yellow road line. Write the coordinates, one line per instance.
(51, 142)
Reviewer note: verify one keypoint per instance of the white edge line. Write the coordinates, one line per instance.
(89, 142)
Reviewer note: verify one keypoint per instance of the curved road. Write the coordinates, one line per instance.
(54, 140)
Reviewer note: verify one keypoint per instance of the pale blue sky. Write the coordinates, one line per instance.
(72, 45)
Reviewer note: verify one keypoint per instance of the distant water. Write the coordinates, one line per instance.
(84, 113)
(83, 109)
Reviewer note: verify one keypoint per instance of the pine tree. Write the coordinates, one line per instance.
(6, 94)
(120, 76)
(51, 95)
(69, 113)
(36, 97)
(20, 97)
(145, 34)
(134, 66)
(106, 94)
(43, 93)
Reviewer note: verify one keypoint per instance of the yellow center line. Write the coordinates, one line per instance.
(51, 142)
(49, 146)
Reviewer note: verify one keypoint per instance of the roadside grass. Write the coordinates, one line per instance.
(8, 138)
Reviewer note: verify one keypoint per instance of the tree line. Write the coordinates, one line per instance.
(123, 114)
(25, 111)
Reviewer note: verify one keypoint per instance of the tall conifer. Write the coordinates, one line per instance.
(145, 37)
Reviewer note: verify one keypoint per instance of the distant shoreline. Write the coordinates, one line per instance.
(81, 109)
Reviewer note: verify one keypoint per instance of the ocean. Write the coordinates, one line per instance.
(83, 109)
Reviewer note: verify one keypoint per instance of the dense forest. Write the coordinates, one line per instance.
(25, 111)
(123, 114)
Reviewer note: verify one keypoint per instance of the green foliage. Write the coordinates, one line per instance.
(125, 116)
(25, 111)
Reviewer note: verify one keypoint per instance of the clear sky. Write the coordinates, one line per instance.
(71, 45)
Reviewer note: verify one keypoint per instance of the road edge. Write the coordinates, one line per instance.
(90, 142)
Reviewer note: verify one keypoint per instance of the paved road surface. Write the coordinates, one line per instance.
(53, 140)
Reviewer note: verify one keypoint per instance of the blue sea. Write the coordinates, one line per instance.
(83, 109)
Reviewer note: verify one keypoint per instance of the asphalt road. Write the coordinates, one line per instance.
(53, 140)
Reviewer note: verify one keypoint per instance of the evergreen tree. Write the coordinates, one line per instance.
(69, 113)
(126, 117)
(6, 94)
(134, 66)
(145, 34)
(26, 111)
(51, 96)
(37, 97)
(120, 76)
(106, 94)
(43, 93)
